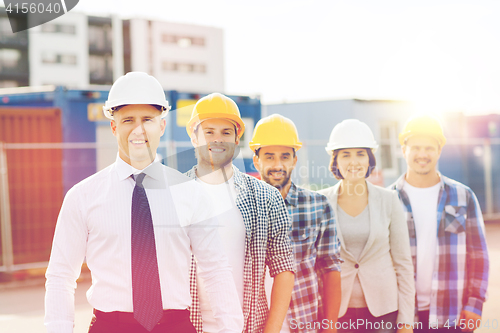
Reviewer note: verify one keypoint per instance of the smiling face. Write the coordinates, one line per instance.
(215, 141)
(138, 129)
(353, 163)
(275, 165)
(421, 154)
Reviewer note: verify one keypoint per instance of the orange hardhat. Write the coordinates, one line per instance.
(275, 130)
(215, 106)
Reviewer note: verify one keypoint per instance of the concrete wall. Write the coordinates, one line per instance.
(52, 44)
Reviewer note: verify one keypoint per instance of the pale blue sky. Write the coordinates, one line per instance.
(441, 54)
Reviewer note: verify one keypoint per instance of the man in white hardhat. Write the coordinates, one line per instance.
(253, 219)
(313, 232)
(135, 223)
(447, 234)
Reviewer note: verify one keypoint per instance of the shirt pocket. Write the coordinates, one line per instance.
(300, 235)
(455, 217)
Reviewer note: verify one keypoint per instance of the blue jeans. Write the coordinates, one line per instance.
(361, 320)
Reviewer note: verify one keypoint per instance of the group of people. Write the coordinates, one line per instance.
(217, 250)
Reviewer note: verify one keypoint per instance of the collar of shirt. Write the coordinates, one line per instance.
(238, 178)
(402, 180)
(124, 169)
(292, 198)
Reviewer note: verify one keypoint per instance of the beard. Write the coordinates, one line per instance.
(223, 154)
(276, 183)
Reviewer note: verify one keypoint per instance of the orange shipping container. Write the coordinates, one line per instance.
(34, 178)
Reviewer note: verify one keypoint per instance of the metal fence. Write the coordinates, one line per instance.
(34, 178)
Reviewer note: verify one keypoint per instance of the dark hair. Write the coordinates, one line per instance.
(258, 150)
(195, 131)
(336, 172)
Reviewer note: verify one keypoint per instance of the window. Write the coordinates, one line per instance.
(100, 36)
(388, 148)
(183, 41)
(55, 58)
(100, 68)
(59, 28)
(169, 66)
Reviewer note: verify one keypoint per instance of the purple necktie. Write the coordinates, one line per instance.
(148, 308)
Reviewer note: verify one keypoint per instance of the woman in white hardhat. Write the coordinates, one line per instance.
(377, 275)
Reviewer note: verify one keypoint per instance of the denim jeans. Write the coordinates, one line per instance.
(361, 320)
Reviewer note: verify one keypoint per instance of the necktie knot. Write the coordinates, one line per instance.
(138, 179)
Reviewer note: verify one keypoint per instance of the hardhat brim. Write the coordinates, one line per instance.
(192, 123)
(256, 146)
(331, 149)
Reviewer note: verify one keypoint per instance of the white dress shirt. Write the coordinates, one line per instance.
(95, 223)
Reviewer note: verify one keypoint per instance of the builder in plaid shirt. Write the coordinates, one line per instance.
(253, 221)
(449, 252)
(313, 230)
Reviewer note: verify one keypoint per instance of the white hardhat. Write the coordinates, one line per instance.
(351, 133)
(135, 88)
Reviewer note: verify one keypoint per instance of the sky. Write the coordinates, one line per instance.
(441, 55)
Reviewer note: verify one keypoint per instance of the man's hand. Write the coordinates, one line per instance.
(469, 321)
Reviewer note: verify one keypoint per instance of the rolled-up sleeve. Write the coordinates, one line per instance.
(279, 255)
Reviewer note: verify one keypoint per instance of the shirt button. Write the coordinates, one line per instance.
(356, 266)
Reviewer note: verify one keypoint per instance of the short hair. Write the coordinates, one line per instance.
(258, 150)
(336, 172)
(195, 131)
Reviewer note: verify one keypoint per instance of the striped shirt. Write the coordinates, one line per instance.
(460, 277)
(317, 251)
(267, 244)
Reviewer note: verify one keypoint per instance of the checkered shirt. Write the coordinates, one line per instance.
(460, 276)
(317, 251)
(266, 244)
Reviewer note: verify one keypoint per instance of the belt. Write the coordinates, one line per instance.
(128, 317)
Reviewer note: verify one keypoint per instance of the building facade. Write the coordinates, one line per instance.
(77, 50)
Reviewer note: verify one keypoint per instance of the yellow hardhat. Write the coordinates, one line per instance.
(423, 125)
(215, 106)
(275, 130)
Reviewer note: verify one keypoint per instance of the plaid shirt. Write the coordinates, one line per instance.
(267, 243)
(314, 238)
(460, 274)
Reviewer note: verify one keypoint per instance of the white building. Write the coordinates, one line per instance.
(76, 50)
(182, 57)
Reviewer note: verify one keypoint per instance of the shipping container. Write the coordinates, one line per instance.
(472, 156)
(34, 179)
